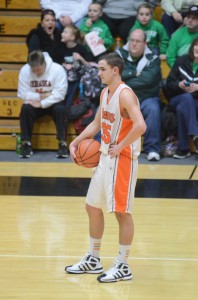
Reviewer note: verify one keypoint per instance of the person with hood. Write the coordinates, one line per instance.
(42, 86)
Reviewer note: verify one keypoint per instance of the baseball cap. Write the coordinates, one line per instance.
(193, 10)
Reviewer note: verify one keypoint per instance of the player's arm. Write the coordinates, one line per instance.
(129, 105)
(88, 132)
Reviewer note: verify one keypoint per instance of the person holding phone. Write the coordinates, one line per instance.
(182, 84)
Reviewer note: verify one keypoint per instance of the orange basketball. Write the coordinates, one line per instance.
(87, 153)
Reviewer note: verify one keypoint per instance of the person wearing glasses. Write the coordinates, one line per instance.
(182, 38)
(46, 37)
(174, 13)
(142, 73)
(156, 36)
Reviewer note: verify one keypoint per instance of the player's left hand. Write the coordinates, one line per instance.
(114, 150)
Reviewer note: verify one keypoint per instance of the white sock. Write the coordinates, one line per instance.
(95, 245)
(123, 253)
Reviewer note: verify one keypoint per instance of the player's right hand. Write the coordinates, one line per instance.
(72, 150)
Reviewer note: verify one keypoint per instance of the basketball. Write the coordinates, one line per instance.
(87, 153)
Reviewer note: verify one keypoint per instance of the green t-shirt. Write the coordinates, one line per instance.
(102, 29)
(156, 36)
(179, 44)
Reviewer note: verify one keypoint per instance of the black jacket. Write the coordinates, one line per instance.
(182, 69)
(38, 39)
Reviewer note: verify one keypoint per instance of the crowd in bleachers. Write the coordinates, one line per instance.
(64, 31)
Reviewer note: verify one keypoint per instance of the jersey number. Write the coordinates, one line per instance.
(106, 136)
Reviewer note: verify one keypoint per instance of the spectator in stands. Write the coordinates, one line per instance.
(67, 12)
(174, 13)
(46, 37)
(74, 56)
(156, 36)
(142, 73)
(94, 23)
(42, 87)
(120, 16)
(182, 38)
(182, 83)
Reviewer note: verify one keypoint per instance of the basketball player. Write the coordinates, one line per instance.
(113, 183)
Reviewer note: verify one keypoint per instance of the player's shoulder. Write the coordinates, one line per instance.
(124, 88)
(127, 93)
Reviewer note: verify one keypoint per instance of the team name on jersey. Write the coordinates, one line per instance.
(36, 83)
(108, 116)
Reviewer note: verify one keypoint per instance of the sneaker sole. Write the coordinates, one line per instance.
(83, 272)
(153, 159)
(181, 157)
(26, 156)
(61, 156)
(115, 279)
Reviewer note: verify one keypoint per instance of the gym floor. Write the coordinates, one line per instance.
(44, 227)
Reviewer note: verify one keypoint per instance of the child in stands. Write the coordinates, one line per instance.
(74, 55)
(156, 36)
(94, 23)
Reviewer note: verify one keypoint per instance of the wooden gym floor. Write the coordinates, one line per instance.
(43, 228)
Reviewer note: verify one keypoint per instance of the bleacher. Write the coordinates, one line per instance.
(17, 19)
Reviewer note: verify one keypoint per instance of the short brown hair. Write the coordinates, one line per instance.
(145, 5)
(36, 58)
(114, 60)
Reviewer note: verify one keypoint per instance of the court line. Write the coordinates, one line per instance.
(102, 257)
(193, 172)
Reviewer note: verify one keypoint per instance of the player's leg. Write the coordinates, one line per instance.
(120, 269)
(91, 262)
(121, 203)
(96, 229)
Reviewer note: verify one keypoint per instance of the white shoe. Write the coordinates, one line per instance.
(89, 264)
(119, 271)
(153, 156)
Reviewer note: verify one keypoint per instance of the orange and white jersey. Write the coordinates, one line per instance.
(114, 127)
